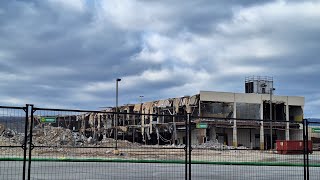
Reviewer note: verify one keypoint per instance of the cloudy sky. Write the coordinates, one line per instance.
(68, 53)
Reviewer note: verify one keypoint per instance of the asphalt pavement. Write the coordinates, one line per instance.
(157, 171)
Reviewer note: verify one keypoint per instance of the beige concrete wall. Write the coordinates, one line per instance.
(266, 97)
(295, 100)
(216, 96)
(248, 98)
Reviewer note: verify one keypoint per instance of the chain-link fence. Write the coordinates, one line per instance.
(42, 143)
(13, 150)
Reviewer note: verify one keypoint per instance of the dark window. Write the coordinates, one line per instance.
(249, 87)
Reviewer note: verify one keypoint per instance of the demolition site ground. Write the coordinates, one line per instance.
(60, 144)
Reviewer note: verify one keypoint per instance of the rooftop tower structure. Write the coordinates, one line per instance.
(258, 84)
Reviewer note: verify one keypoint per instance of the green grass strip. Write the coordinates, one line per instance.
(63, 159)
(255, 163)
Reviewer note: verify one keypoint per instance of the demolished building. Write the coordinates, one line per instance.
(232, 119)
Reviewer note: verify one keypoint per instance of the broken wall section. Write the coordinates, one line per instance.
(248, 111)
(295, 113)
(216, 109)
(278, 110)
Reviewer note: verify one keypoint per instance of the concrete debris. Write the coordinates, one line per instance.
(11, 137)
(89, 140)
(123, 128)
(123, 154)
(59, 136)
(215, 145)
(8, 133)
(2, 128)
(52, 136)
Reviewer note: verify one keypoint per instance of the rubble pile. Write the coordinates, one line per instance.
(11, 137)
(215, 145)
(2, 128)
(52, 136)
(59, 136)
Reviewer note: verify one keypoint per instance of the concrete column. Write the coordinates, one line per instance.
(174, 133)
(251, 141)
(213, 134)
(158, 118)
(142, 124)
(201, 135)
(261, 128)
(151, 120)
(234, 132)
(287, 123)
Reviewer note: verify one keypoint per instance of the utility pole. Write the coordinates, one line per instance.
(117, 114)
(271, 139)
(144, 132)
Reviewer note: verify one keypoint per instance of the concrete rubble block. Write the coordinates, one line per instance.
(2, 128)
(53, 136)
(215, 145)
(9, 133)
(11, 137)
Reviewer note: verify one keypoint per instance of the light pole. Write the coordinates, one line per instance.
(271, 139)
(141, 99)
(117, 112)
(144, 133)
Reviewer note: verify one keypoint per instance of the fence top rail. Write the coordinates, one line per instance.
(68, 110)
(313, 122)
(12, 107)
(103, 112)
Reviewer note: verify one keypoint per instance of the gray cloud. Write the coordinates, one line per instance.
(69, 53)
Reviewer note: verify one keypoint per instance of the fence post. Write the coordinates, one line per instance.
(31, 146)
(304, 149)
(307, 147)
(190, 147)
(186, 148)
(24, 145)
